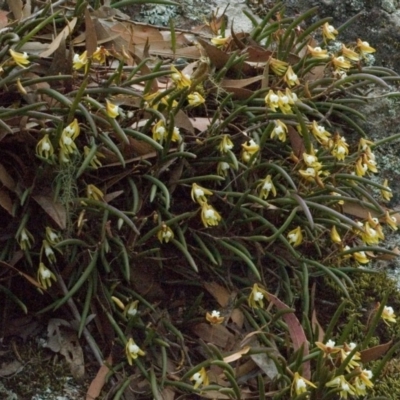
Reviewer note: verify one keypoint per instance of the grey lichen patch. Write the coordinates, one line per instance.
(389, 6)
(158, 14)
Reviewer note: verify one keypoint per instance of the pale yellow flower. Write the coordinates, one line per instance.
(249, 149)
(279, 131)
(290, 77)
(44, 276)
(225, 144)
(350, 54)
(48, 251)
(295, 236)
(100, 54)
(329, 32)
(364, 47)
(200, 378)
(299, 385)
(133, 351)
(341, 63)
(257, 297)
(223, 168)
(387, 192)
(94, 162)
(271, 100)
(93, 192)
(266, 187)
(284, 102)
(198, 193)
(340, 148)
(388, 315)
(278, 67)
(345, 388)
(112, 109)
(195, 99)
(131, 309)
(25, 239)
(328, 348)
(51, 236)
(360, 257)
(21, 59)
(165, 234)
(391, 221)
(317, 52)
(320, 133)
(80, 61)
(335, 237)
(209, 216)
(345, 352)
(44, 148)
(219, 40)
(181, 81)
(214, 318)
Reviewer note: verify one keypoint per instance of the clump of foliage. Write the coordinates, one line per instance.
(150, 196)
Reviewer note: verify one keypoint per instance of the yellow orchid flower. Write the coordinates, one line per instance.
(214, 318)
(93, 192)
(295, 237)
(225, 144)
(44, 148)
(165, 234)
(21, 59)
(195, 99)
(364, 47)
(341, 63)
(317, 52)
(329, 32)
(25, 239)
(391, 221)
(271, 100)
(345, 388)
(112, 109)
(200, 378)
(209, 216)
(387, 192)
(290, 77)
(320, 133)
(278, 67)
(44, 276)
(328, 348)
(350, 54)
(100, 54)
(133, 351)
(299, 385)
(198, 193)
(335, 237)
(388, 315)
(181, 81)
(80, 61)
(266, 187)
(279, 131)
(257, 296)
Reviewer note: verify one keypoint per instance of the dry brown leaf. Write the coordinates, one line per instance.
(167, 394)
(182, 121)
(296, 332)
(375, 352)
(6, 179)
(296, 142)
(54, 209)
(238, 354)
(90, 31)
(388, 256)
(216, 334)
(219, 58)
(220, 293)
(239, 93)
(98, 382)
(266, 364)
(237, 317)
(201, 123)
(316, 326)
(11, 368)
(16, 7)
(240, 83)
(66, 342)
(61, 36)
(6, 202)
(3, 19)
